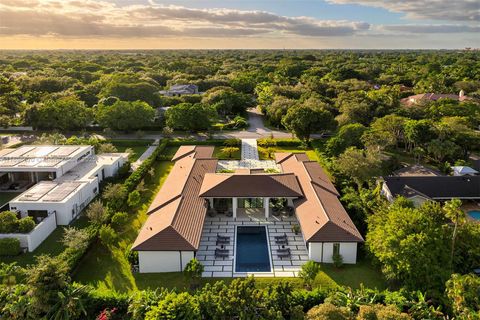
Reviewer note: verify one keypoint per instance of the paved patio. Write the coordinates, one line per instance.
(249, 159)
(276, 226)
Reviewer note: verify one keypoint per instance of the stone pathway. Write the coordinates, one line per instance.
(275, 227)
(145, 155)
(250, 159)
(249, 149)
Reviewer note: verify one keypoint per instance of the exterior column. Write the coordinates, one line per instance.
(210, 203)
(266, 207)
(234, 207)
(290, 202)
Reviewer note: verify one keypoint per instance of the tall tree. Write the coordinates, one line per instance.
(303, 120)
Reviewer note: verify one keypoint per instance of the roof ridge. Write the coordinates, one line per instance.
(164, 204)
(313, 189)
(320, 186)
(290, 154)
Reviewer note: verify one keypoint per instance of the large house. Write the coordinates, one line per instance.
(56, 183)
(427, 97)
(245, 202)
(420, 189)
(180, 90)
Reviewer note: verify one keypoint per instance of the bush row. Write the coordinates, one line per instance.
(9, 247)
(128, 142)
(134, 179)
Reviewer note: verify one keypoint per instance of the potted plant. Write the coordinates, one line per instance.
(296, 229)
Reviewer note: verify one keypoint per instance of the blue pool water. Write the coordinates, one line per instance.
(475, 214)
(252, 250)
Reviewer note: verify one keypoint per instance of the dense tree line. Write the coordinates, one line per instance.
(354, 86)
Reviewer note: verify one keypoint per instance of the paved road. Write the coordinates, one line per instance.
(256, 129)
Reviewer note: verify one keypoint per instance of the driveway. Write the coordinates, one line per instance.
(255, 130)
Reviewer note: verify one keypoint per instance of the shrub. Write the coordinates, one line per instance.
(328, 311)
(96, 212)
(115, 195)
(119, 219)
(193, 272)
(25, 225)
(9, 247)
(133, 198)
(175, 306)
(233, 142)
(132, 256)
(107, 148)
(309, 273)
(337, 260)
(8, 222)
(107, 235)
(381, 312)
(75, 238)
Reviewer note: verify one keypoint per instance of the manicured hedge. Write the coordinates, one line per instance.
(9, 247)
(209, 142)
(134, 179)
(129, 143)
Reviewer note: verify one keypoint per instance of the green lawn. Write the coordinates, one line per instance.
(137, 148)
(110, 274)
(264, 156)
(52, 245)
(108, 267)
(5, 197)
(217, 153)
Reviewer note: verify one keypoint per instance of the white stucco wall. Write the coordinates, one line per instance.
(322, 252)
(163, 261)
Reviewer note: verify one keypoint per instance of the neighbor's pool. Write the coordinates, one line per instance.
(475, 214)
(252, 254)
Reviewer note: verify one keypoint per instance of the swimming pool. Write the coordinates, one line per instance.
(475, 214)
(252, 253)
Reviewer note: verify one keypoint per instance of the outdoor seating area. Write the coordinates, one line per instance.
(288, 251)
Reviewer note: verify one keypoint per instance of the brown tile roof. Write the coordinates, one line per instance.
(250, 185)
(320, 213)
(177, 213)
(198, 152)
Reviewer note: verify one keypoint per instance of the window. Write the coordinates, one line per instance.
(336, 248)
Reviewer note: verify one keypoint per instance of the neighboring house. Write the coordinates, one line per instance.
(423, 188)
(55, 180)
(172, 234)
(180, 90)
(416, 170)
(464, 171)
(427, 97)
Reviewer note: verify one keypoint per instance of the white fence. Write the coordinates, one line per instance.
(33, 239)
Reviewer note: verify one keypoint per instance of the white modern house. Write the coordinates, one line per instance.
(59, 182)
(180, 90)
(202, 213)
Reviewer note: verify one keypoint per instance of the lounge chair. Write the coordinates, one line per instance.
(222, 241)
(284, 253)
(221, 253)
(281, 240)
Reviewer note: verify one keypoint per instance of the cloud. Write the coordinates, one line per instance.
(88, 18)
(454, 10)
(431, 28)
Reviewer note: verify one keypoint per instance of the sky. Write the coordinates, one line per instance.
(239, 24)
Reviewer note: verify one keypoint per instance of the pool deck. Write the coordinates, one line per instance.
(225, 226)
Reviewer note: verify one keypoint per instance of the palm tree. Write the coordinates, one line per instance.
(70, 304)
(454, 212)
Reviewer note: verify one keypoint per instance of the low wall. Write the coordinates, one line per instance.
(163, 261)
(33, 239)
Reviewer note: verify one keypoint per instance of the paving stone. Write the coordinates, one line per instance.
(228, 268)
(213, 268)
(222, 274)
(207, 274)
(284, 274)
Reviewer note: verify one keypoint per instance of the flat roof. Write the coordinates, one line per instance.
(49, 191)
(41, 157)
